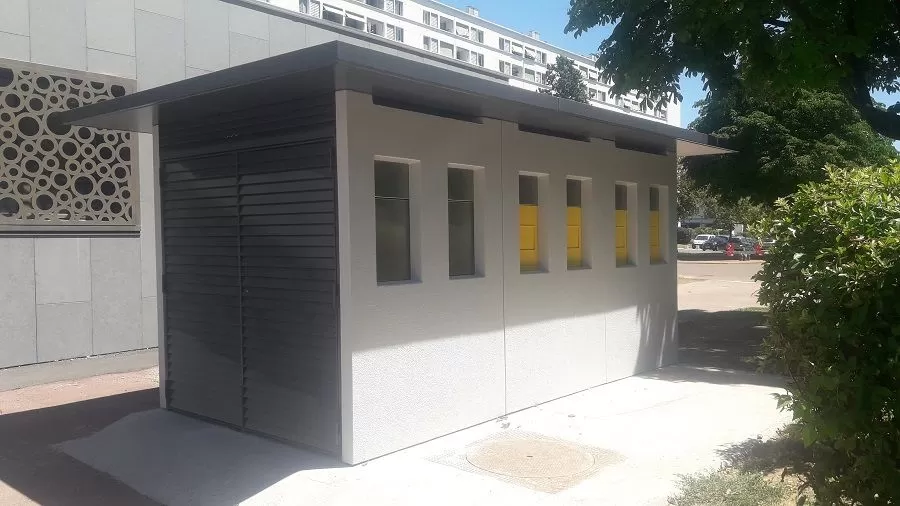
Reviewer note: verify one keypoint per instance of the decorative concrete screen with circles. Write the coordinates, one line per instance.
(56, 176)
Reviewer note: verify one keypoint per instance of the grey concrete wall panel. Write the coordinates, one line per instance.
(116, 282)
(57, 33)
(190, 72)
(104, 62)
(15, 47)
(160, 49)
(170, 8)
(110, 25)
(62, 268)
(14, 17)
(285, 35)
(246, 49)
(17, 308)
(63, 331)
(316, 36)
(247, 22)
(206, 34)
(150, 327)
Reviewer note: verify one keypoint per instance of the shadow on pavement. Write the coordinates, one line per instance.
(720, 347)
(178, 460)
(31, 465)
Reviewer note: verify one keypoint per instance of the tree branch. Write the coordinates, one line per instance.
(778, 22)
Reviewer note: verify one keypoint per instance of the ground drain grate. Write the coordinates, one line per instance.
(531, 460)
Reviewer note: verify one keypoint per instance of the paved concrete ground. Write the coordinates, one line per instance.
(99, 441)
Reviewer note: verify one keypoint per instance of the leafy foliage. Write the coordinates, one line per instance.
(693, 199)
(729, 489)
(832, 284)
(781, 142)
(566, 81)
(843, 46)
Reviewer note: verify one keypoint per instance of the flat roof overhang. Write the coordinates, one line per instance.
(342, 66)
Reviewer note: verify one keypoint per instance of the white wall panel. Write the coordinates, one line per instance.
(206, 34)
(110, 25)
(246, 49)
(160, 49)
(170, 8)
(104, 62)
(58, 33)
(15, 47)
(14, 17)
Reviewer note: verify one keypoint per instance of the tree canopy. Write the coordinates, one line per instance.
(566, 81)
(850, 47)
(781, 142)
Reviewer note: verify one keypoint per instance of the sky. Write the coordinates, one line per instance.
(549, 17)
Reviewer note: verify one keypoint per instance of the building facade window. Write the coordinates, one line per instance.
(516, 71)
(542, 57)
(622, 232)
(394, 33)
(461, 221)
(517, 50)
(392, 222)
(333, 14)
(447, 49)
(430, 18)
(574, 228)
(476, 35)
(430, 44)
(653, 229)
(446, 24)
(58, 176)
(462, 30)
(355, 21)
(376, 28)
(505, 45)
(505, 67)
(529, 252)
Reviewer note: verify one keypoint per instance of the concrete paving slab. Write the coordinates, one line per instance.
(662, 424)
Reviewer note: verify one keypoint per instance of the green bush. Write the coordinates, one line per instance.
(684, 235)
(728, 488)
(832, 283)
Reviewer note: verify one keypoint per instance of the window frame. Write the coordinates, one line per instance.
(411, 230)
(475, 174)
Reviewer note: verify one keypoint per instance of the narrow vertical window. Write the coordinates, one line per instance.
(392, 224)
(621, 224)
(461, 218)
(574, 230)
(529, 257)
(655, 249)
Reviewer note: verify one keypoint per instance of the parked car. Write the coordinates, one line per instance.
(714, 243)
(767, 243)
(698, 241)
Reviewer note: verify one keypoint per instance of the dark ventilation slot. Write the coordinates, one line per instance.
(425, 109)
(643, 147)
(554, 133)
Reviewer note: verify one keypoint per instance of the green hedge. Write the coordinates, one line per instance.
(832, 284)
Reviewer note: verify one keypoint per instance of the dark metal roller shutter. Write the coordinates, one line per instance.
(250, 270)
(202, 287)
(289, 279)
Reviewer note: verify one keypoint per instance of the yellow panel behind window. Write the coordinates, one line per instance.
(528, 240)
(621, 237)
(655, 251)
(573, 237)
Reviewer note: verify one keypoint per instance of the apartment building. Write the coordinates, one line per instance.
(467, 37)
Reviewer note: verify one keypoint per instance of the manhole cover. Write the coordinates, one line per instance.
(530, 458)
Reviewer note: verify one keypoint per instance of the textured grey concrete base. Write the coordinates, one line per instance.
(662, 424)
(64, 370)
